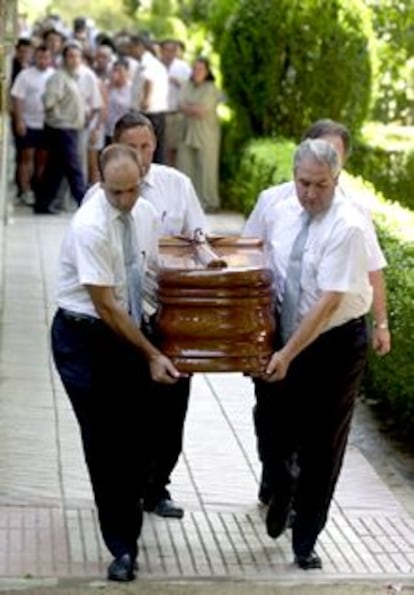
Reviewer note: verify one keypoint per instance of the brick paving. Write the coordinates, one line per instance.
(48, 525)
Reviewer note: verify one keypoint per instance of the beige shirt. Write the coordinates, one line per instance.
(201, 132)
(64, 104)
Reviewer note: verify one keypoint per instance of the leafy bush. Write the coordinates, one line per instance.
(286, 64)
(389, 379)
(263, 162)
(392, 21)
(385, 157)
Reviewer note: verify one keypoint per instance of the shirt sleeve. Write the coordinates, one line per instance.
(344, 263)
(195, 218)
(93, 257)
(210, 98)
(254, 227)
(54, 91)
(376, 258)
(96, 95)
(18, 89)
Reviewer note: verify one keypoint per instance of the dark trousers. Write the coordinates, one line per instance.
(158, 122)
(107, 383)
(167, 409)
(306, 418)
(63, 162)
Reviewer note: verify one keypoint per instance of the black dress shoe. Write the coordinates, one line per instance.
(277, 518)
(264, 494)
(308, 562)
(122, 569)
(38, 211)
(166, 508)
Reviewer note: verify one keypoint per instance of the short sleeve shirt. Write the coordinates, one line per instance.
(335, 257)
(29, 86)
(260, 219)
(173, 197)
(92, 253)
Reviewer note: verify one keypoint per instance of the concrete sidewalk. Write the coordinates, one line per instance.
(48, 527)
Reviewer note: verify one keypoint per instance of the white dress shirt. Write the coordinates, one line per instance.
(335, 256)
(173, 196)
(92, 253)
(260, 219)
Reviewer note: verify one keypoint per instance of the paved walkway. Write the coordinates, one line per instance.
(48, 525)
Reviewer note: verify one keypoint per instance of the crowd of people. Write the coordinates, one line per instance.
(70, 86)
(129, 398)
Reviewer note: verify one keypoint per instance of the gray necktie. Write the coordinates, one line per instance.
(132, 267)
(291, 293)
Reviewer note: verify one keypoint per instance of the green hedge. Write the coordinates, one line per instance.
(385, 157)
(391, 378)
(286, 64)
(262, 163)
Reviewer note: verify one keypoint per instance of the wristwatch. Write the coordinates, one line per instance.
(382, 326)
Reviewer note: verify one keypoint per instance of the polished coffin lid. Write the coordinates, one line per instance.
(215, 306)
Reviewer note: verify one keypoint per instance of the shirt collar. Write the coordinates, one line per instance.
(149, 178)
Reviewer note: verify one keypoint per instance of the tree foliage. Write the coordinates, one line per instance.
(131, 6)
(394, 27)
(287, 63)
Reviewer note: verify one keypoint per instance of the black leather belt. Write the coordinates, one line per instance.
(78, 317)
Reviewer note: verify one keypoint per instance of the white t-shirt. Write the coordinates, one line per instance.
(260, 219)
(151, 69)
(29, 86)
(335, 256)
(172, 195)
(92, 253)
(89, 87)
(133, 66)
(180, 71)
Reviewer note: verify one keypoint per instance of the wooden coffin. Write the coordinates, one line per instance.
(215, 305)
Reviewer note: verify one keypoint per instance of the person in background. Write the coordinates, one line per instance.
(81, 34)
(150, 90)
(305, 397)
(22, 58)
(178, 73)
(198, 149)
(23, 53)
(101, 354)
(64, 120)
(54, 39)
(28, 122)
(119, 96)
(91, 139)
(103, 62)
